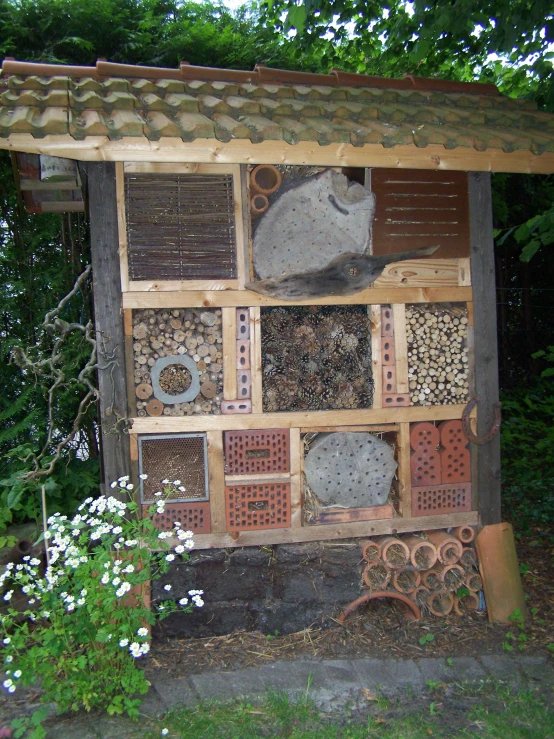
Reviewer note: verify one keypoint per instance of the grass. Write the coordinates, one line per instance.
(489, 712)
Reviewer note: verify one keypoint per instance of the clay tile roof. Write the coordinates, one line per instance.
(125, 101)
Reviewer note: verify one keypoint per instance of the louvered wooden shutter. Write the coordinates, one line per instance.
(416, 208)
(180, 226)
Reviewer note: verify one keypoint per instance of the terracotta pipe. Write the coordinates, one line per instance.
(431, 579)
(370, 551)
(440, 603)
(393, 551)
(465, 534)
(468, 602)
(414, 612)
(474, 583)
(453, 576)
(449, 549)
(376, 575)
(468, 560)
(423, 553)
(500, 572)
(406, 581)
(258, 205)
(420, 595)
(265, 179)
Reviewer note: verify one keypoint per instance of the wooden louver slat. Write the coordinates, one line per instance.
(180, 226)
(416, 208)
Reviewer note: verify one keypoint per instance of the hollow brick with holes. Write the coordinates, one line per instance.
(257, 506)
(243, 354)
(243, 323)
(389, 380)
(430, 500)
(455, 457)
(244, 384)
(257, 452)
(396, 399)
(425, 462)
(388, 357)
(234, 407)
(387, 323)
(193, 517)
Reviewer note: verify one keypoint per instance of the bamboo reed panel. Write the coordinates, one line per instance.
(229, 328)
(216, 477)
(181, 226)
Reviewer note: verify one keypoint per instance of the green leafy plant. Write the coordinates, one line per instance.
(426, 639)
(79, 628)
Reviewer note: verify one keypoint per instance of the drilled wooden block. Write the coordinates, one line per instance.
(243, 354)
(396, 399)
(429, 500)
(387, 351)
(257, 506)
(455, 457)
(256, 452)
(425, 462)
(389, 380)
(193, 517)
(232, 407)
(244, 384)
(387, 322)
(243, 323)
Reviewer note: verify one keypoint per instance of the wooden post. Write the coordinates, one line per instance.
(486, 351)
(108, 315)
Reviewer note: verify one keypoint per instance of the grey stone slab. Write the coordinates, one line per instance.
(466, 669)
(226, 686)
(502, 667)
(152, 704)
(71, 729)
(173, 691)
(119, 728)
(436, 668)
(537, 668)
(389, 675)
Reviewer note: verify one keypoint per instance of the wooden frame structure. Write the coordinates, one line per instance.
(106, 159)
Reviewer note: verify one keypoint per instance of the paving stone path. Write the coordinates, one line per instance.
(331, 685)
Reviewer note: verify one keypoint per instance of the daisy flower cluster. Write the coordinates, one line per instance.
(81, 597)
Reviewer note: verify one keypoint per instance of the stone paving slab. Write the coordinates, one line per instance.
(330, 684)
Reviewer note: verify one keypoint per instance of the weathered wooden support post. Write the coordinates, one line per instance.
(108, 315)
(486, 348)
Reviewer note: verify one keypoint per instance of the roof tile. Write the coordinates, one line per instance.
(124, 123)
(158, 125)
(261, 128)
(37, 122)
(227, 128)
(85, 123)
(195, 126)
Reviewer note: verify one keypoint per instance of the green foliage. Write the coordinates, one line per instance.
(79, 628)
(527, 439)
(426, 639)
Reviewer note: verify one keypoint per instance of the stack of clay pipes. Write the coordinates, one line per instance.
(265, 179)
(436, 569)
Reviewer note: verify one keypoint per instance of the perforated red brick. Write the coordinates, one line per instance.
(425, 463)
(243, 354)
(260, 506)
(389, 380)
(387, 325)
(192, 516)
(387, 351)
(243, 323)
(455, 458)
(396, 399)
(232, 407)
(244, 382)
(431, 499)
(257, 452)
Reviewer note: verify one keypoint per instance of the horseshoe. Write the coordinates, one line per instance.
(494, 429)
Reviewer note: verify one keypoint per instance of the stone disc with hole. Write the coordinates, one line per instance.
(312, 223)
(187, 395)
(350, 469)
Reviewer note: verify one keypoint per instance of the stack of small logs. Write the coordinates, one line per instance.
(163, 333)
(437, 354)
(435, 569)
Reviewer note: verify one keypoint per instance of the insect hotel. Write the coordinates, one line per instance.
(294, 289)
